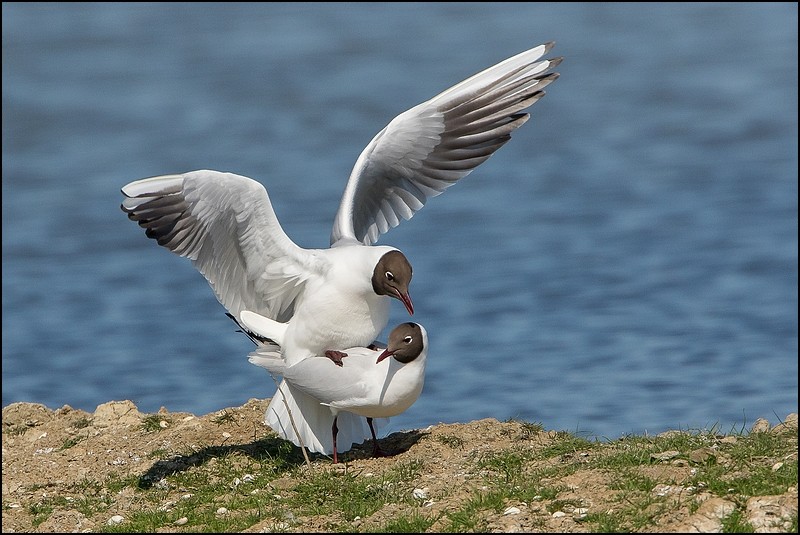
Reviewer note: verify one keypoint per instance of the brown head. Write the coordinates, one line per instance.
(406, 342)
(391, 277)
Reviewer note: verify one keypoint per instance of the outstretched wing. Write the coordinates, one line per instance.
(225, 224)
(428, 148)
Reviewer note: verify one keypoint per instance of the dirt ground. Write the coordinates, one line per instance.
(48, 452)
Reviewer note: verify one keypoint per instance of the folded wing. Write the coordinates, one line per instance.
(428, 148)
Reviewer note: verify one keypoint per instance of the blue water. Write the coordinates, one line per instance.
(626, 264)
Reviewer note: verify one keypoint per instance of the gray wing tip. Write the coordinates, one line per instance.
(548, 46)
(555, 62)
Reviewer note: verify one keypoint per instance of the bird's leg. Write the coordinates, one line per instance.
(335, 431)
(335, 356)
(376, 450)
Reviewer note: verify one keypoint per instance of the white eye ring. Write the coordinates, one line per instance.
(389, 275)
(408, 339)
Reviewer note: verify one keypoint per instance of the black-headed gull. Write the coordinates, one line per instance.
(339, 297)
(366, 383)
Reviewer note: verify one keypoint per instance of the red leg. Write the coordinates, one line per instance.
(335, 356)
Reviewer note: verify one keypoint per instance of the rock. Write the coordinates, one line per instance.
(664, 455)
(789, 425)
(25, 414)
(707, 518)
(117, 413)
(760, 426)
(771, 514)
(703, 455)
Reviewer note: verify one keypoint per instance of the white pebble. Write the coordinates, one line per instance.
(559, 514)
(777, 466)
(222, 511)
(421, 494)
(116, 519)
(226, 435)
(512, 511)
(181, 521)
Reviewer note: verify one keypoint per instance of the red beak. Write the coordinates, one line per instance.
(386, 353)
(406, 299)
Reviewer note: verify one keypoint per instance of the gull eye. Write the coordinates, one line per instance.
(408, 339)
(389, 275)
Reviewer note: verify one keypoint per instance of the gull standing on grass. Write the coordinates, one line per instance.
(375, 388)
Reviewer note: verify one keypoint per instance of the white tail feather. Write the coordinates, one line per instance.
(314, 422)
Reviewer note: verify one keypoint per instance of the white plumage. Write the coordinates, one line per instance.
(367, 383)
(338, 297)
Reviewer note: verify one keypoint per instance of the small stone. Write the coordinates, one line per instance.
(512, 511)
(222, 511)
(664, 455)
(559, 514)
(181, 521)
(777, 466)
(662, 490)
(226, 435)
(116, 519)
(760, 426)
(703, 455)
(421, 494)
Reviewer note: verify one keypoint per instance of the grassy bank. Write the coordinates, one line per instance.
(117, 470)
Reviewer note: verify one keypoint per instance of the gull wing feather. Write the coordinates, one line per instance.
(320, 378)
(428, 148)
(225, 224)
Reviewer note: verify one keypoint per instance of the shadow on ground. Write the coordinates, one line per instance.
(280, 452)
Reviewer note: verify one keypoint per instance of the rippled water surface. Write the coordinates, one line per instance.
(626, 264)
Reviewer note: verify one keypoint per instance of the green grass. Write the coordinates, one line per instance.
(268, 481)
(152, 423)
(508, 477)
